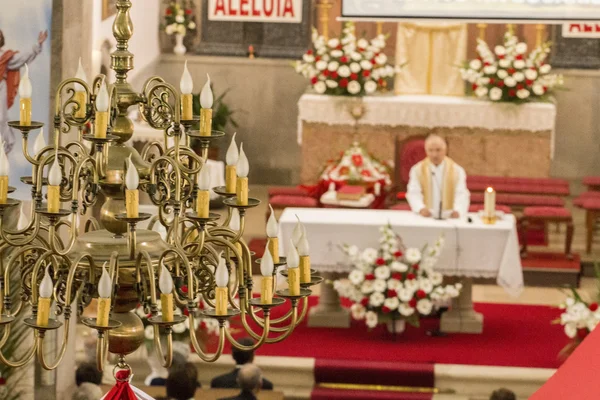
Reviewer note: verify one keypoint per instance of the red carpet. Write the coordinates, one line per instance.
(552, 261)
(513, 336)
(335, 394)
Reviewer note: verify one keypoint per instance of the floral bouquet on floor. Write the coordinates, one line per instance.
(394, 282)
(346, 66)
(508, 74)
(178, 18)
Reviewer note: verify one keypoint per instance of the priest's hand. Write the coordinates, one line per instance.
(42, 37)
(425, 212)
(454, 214)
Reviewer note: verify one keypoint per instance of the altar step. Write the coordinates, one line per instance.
(321, 393)
(551, 269)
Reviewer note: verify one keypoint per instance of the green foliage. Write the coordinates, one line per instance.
(222, 113)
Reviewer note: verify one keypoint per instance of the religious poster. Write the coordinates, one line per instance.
(255, 10)
(589, 30)
(24, 40)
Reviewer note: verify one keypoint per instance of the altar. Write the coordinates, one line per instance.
(486, 138)
(472, 250)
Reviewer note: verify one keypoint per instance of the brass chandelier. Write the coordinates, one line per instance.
(112, 259)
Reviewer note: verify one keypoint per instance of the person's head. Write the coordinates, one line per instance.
(87, 391)
(88, 373)
(503, 394)
(242, 357)
(1, 39)
(182, 382)
(436, 149)
(181, 352)
(250, 378)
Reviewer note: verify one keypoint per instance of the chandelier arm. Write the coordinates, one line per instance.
(59, 109)
(167, 360)
(101, 350)
(290, 328)
(147, 85)
(175, 169)
(80, 146)
(47, 160)
(143, 256)
(149, 146)
(198, 349)
(4, 233)
(10, 265)
(186, 151)
(63, 349)
(91, 223)
(261, 338)
(239, 278)
(26, 358)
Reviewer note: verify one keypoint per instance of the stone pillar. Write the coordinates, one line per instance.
(329, 312)
(461, 317)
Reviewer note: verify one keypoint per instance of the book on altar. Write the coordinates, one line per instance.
(350, 192)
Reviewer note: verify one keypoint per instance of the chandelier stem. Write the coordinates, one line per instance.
(261, 339)
(165, 360)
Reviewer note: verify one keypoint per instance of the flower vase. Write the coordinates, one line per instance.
(396, 326)
(179, 48)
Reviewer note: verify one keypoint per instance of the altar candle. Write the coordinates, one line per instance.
(80, 96)
(221, 280)
(25, 91)
(102, 100)
(203, 201)
(104, 294)
(39, 144)
(304, 251)
(165, 284)
(54, 179)
(272, 235)
(45, 299)
(293, 261)
(266, 270)
(187, 86)
(4, 170)
(231, 158)
(243, 168)
(206, 101)
(297, 232)
(234, 224)
(489, 203)
(132, 194)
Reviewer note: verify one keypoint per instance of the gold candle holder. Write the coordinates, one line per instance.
(3, 189)
(242, 191)
(186, 107)
(266, 290)
(205, 121)
(80, 99)
(221, 300)
(132, 201)
(230, 177)
(53, 198)
(489, 220)
(294, 281)
(238, 246)
(25, 111)
(305, 269)
(43, 311)
(166, 302)
(203, 204)
(103, 312)
(101, 124)
(274, 248)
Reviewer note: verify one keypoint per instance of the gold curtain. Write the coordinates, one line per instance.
(432, 54)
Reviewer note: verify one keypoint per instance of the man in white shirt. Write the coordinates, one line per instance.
(437, 186)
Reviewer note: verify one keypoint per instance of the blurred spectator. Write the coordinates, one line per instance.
(503, 394)
(158, 375)
(88, 380)
(182, 382)
(241, 357)
(249, 379)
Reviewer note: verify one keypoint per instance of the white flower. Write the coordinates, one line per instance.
(344, 71)
(376, 299)
(425, 285)
(521, 48)
(394, 284)
(538, 89)
(356, 277)
(436, 278)
(371, 319)
(398, 266)
(544, 69)
(571, 330)
(362, 43)
(490, 69)
(481, 91)
(495, 94)
(500, 50)
(181, 29)
(179, 328)
(382, 272)
(331, 83)
(519, 76)
(381, 59)
(510, 81)
(523, 94)
(405, 294)
(356, 56)
(504, 63)
(321, 65)
(413, 255)
(570, 301)
(392, 303)
(531, 74)
(353, 87)
(149, 332)
(180, 19)
(140, 312)
(358, 311)
(366, 65)
(424, 306)
(333, 43)
(370, 86)
(170, 29)
(337, 53)
(380, 285)
(308, 58)
(412, 284)
(519, 64)
(406, 310)
(333, 66)
(320, 87)
(192, 25)
(475, 64)
(355, 68)
(352, 251)
(369, 255)
(367, 287)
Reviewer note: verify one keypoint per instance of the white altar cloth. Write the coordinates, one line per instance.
(428, 111)
(472, 250)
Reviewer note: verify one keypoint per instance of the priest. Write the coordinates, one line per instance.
(437, 186)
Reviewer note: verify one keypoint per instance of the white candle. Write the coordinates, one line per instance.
(489, 203)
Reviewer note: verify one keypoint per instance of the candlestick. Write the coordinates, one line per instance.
(304, 252)
(293, 261)
(489, 204)
(221, 280)
(266, 269)
(132, 194)
(187, 86)
(272, 235)
(25, 91)
(102, 103)
(104, 294)
(45, 299)
(243, 168)
(54, 180)
(231, 158)
(4, 170)
(165, 284)
(203, 201)
(298, 232)
(234, 224)
(206, 101)
(80, 97)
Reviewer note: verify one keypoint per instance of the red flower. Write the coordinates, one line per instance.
(369, 277)
(314, 80)
(149, 315)
(201, 305)
(380, 82)
(519, 57)
(512, 93)
(344, 170)
(184, 289)
(343, 82)
(582, 333)
(334, 75)
(398, 254)
(410, 276)
(366, 73)
(416, 267)
(168, 11)
(520, 86)
(373, 62)
(397, 275)
(353, 76)
(186, 312)
(501, 57)
(365, 301)
(2, 381)
(500, 84)
(385, 310)
(392, 293)
(202, 325)
(421, 294)
(412, 303)
(344, 59)
(529, 82)
(318, 58)
(357, 160)
(380, 261)
(545, 89)
(365, 173)
(487, 64)
(339, 47)
(188, 11)
(326, 73)
(474, 86)
(492, 81)
(593, 307)
(511, 71)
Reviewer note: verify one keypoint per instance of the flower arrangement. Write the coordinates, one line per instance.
(394, 282)
(346, 65)
(508, 74)
(178, 18)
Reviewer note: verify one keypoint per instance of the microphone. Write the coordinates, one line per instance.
(440, 192)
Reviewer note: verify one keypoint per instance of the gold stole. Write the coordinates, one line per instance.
(449, 183)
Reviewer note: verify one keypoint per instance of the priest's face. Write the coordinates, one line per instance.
(436, 150)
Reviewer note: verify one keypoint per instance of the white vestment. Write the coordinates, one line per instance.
(414, 193)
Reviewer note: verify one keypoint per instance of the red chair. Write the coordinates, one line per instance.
(409, 151)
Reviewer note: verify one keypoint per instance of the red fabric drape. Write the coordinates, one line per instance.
(12, 77)
(122, 390)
